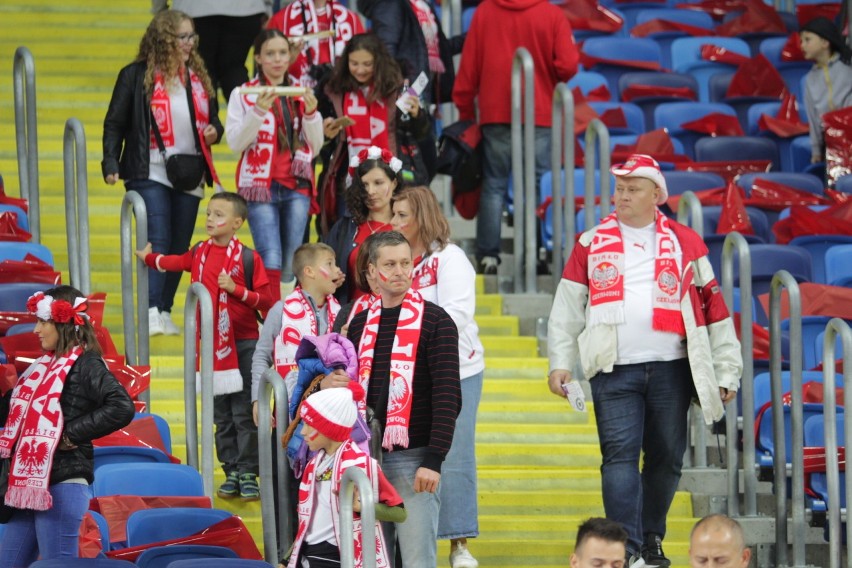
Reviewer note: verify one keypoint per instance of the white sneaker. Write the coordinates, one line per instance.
(169, 327)
(636, 562)
(155, 323)
(460, 557)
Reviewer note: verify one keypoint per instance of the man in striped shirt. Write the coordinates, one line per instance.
(408, 355)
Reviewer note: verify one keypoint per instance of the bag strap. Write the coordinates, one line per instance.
(191, 103)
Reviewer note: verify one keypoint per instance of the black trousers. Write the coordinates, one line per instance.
(322, 555)
(224, 43)
(236, 434)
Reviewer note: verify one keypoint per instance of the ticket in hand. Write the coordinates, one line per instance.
(414, 90)
(574, 394)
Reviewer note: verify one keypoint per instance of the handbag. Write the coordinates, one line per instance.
(185, 171)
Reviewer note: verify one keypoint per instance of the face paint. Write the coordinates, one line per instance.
(324, 272)
(221, 223)
(382, 276)
(313, 436)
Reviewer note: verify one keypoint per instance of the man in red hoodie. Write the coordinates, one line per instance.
(498, 29)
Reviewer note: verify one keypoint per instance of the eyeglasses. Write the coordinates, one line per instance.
(186, 38)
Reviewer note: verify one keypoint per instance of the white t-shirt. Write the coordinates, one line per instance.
(321, 528)
(184, 137)
(638, 341)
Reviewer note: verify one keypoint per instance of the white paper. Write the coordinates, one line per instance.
(576, 397)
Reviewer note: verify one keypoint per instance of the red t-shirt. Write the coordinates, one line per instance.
(364, 230)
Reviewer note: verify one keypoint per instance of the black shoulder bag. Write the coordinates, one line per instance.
(185, 171)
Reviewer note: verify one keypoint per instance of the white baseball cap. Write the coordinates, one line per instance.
(643, 166)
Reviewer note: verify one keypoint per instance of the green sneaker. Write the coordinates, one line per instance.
(249, 491)
(231, 487)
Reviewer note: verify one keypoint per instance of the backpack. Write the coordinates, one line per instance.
(248, 270)
(460, 157)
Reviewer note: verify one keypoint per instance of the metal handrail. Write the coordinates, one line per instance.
(833, 328)
(562, 182)
(198, 297)
(136, 348)
(523, 168)
(735, 243)
(689, 212)
(272, 383)
(351, 477)
(597, 131)
(77, 205)
(784, 279)
(26, 136)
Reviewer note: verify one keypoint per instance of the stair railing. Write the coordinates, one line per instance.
(689, 212)
(274, 545)
(77, 205)
(597, 139)
(136, 348)
(523, 170)
(834, 328)
(198, 297)
(562, 182)
(735, 243)
(26, 136)
(781, 280)
(353, 477)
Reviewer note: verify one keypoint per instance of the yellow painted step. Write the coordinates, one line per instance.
(497, 325)
(489, 304)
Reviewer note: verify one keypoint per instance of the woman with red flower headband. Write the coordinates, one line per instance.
(51, 469)
(374, 175)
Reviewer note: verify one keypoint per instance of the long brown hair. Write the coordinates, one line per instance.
(277, 110)
(159, 46)
(387, 77)
(71, 335)
(431, 222)
(356, 196)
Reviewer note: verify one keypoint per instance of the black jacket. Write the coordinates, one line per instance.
(341, 238)
(395, 23)
(93, 404)
(127, 125)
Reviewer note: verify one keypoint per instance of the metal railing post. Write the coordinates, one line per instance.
(198, 297)
(833, 328)
(136, 348)
(77, 205)
(689, 212)
(353, 477)
(26, 136)
(562, 178)
(523, 160)
(274, 545)
(735, 243)
(784, 279)
(597, 132)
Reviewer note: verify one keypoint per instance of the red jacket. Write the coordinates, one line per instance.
(498, 28)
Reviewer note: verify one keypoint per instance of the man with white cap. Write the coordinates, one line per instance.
(639, 310)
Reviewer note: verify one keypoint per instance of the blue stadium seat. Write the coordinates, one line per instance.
(14, 295)
(817, 246)
(693, 18)
(621, 49)
(771, 48)
(800, 153)
(813, 327)
(219, 563)
(802, 182)
(813, 435)
(467, 17)
(754, 113)
(633, 117)
(838, 344)
(715, 243)
(657, 79)
(733, 148)
(838, 265)
(718, 88)
(127, 454)
(163, 556)
(103, 528)
(82, 563)
(546, 190)
(13, 250)
(588, 81)
(156, 525)
(686, 58)
(20, 328)
(768, 259)
(630, 10)
(678, 182)
(844, 184)
(162, 428)
(672, 115)
(157, 479)
(759, 221)
(21, 215)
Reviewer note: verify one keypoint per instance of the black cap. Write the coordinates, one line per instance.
(825, 28)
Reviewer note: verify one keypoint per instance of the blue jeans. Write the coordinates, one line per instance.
(459, 516)
(278, 228)
(171, 222)
(54, 533)
(642, 407)
(496, 169)
(418, 534)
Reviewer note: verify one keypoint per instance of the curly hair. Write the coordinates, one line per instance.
(387, 76)
(159, 49)
(70, 334)
(356, 195)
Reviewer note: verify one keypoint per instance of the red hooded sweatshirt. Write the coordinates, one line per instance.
(498, 28)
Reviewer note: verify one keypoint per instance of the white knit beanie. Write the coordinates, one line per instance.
(332, 412)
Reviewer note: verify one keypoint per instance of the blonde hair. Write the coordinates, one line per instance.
(307, 255)
(431, 222)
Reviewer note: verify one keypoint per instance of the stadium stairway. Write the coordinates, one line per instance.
(538, 461)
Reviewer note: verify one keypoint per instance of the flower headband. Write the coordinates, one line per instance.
(374, 153)
(59, 311)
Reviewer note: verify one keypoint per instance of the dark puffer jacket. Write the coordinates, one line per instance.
(94, 404)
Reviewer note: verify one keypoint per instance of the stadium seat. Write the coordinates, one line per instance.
(630, 10)
(754, 113)
(718, 87)
(844, 184)
(812, 328)
(693, 18)
(634, 118)
(546, 190)
(686, 58)
(802, 182)
(588, 81)
(156, 525)
(800, 153)
(733, 148)
(678, 182)
(162, 428)
(103, 528)
(163, 556)
(13, 250)
(673, 115)
(715, 243)
(128, 454)
(838, 344)
(157, 479)
(20, 214)
(753, 38)
(765, 439)
(657, 79)
(219, 563)
(838, 265)
(771, 48)
(759, 221)
(14, 295)
(813, 435)
(768, 259)
(82, 563)
(817, 246)
(621, 49)
(19, 328)
(467, 17)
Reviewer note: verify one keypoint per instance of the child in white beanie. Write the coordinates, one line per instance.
(328, 418)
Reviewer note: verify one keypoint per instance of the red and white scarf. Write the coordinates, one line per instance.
(348, 455)
(226, 368)
(401, 372)
(427, 22)
(254, 172)
(360, 305)
(606, 276)
(36, 424)
(371, 122)
(298, 320)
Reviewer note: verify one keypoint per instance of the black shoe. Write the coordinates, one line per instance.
(488, 264)
(652, 552)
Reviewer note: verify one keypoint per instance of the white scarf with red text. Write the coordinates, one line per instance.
(606, 277)
(401, 372)
(298, 320)
(35, 423)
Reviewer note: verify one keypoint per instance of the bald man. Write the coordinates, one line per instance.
(717, 540)
(600, 544)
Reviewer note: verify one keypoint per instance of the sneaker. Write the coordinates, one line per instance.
(634, 561)
(169, 327)
(652, 552)
(155, 323)
(488, 264)
(460, 557)
(249, 491)
(231, 487)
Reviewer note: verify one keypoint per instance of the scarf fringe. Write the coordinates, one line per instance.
(436, 65)
(395, 436)
(31, 498)
(257, 193)
(670, 321)
(224, 382)
(612, 314)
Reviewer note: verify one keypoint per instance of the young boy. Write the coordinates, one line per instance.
(309, 310)
(328, 417)
(218, 263)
